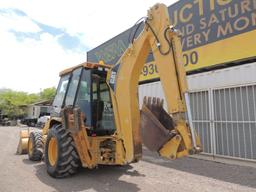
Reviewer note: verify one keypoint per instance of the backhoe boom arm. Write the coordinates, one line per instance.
(160, 37)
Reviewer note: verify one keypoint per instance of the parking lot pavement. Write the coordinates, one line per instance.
(151, 174)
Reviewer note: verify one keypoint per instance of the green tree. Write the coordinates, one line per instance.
(10, 102)
(48, 93)
(32, 98)
(13, 103)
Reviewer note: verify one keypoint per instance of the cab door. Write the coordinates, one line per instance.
(83, 96)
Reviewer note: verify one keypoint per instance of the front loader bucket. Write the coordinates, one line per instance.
(23, 142)
(157, 126)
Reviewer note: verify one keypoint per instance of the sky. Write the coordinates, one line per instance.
(38, 39)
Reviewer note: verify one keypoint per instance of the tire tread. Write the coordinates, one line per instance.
(37, 142)
(68, 161)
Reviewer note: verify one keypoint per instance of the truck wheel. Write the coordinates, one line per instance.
(35, 146)
(61, 157)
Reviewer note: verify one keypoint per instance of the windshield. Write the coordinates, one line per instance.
(61, 91)
(72, 89)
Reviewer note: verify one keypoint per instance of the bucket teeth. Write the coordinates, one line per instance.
(153, 102)
(155, 105)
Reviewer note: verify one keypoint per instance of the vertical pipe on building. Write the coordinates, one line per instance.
(232, 124)
(249, 118)
(226, 119)
(237, 129)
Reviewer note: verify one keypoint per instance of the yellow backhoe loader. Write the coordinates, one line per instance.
(96, 117)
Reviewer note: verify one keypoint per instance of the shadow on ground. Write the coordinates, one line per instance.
(104, 178)
(28, 162)
(230, 173)
(109, 178)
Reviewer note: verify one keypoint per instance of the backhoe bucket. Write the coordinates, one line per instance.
(23, 142)
(157, 126)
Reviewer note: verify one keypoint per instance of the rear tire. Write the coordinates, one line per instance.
(35, 146)
(61, 157)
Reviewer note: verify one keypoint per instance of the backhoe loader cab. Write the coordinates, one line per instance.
(86, 88)
(96, 117)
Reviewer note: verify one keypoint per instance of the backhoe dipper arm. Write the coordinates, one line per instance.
(123, 78)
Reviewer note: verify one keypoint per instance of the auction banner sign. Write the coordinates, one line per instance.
(214, 32)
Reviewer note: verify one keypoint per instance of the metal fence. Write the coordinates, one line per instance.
(225, 119)
(201, 118)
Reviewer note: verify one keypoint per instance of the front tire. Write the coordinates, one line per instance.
(35, 146)
(61, 157)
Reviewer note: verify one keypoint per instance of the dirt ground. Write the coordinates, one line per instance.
(18, 174)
